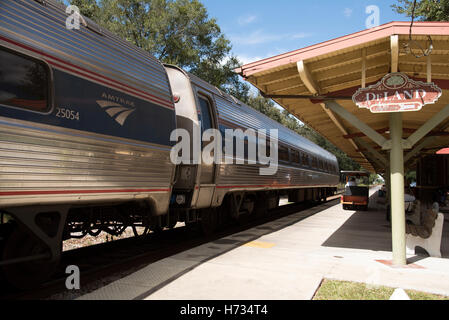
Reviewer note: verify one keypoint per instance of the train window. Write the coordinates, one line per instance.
(295, 157)
(24, 82)
(305, 159)
(283, 153)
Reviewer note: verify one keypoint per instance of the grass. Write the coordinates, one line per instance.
(344, 290)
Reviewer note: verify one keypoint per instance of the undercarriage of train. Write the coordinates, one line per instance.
(31, 241)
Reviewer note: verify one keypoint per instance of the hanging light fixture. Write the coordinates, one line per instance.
(412, 43)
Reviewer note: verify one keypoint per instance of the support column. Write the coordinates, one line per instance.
(397, 190)
(388, 185)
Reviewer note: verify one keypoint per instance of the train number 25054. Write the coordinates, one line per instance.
(67, 114)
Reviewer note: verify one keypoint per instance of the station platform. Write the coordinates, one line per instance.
(287, 259)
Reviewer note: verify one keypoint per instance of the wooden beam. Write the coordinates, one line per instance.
(284, 85)
(353, 68)
(364, 68)
(353, 79)
(381, 131)
(276, 76)
(313, 87)
(380, 158)
(349, 57)
(437, 59)
(421, 69)
(307, 79)
(428, 126)
(418, 148)
(356, 122)
(394, 45)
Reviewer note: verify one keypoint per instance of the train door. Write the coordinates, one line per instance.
(207, 119)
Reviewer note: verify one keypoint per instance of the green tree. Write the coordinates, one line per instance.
(177, 32)
(88, 8)
(426, 10)
(180, 32)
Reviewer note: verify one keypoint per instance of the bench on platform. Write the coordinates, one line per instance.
(428, 234)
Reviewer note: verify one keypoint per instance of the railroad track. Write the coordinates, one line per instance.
(104, 263)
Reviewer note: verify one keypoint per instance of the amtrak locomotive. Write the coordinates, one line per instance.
(85, 126)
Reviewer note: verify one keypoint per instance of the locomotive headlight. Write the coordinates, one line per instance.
(180, 199)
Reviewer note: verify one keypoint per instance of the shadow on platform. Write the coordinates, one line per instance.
(160, 273)
(370, 230)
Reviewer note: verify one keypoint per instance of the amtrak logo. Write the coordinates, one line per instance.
(116, 111)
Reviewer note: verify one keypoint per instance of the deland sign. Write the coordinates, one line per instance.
(396, 92)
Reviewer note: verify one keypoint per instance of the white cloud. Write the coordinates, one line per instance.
(259, 37)
(245, 59)
(348, 12)
(244, 20)
(301, 35)
(255, 37)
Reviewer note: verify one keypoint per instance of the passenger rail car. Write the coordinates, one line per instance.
(305, 171)
(85, 126)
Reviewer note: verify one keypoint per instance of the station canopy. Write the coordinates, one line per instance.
(304, 80)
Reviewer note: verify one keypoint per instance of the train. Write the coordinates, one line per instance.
(86, 123)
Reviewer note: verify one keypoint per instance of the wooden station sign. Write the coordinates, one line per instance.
(396, 92)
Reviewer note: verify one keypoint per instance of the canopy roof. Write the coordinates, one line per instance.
(337, 68)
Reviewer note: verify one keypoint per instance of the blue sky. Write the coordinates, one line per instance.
(264, 28)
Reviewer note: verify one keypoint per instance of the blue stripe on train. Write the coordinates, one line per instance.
(102, 110)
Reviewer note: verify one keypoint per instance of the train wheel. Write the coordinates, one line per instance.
(26, 275)
(142, 234)
(156, 225)
(209, 221)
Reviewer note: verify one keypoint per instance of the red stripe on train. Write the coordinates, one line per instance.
(154, 98)
(55, 192)
(271, 185)
(104, 82)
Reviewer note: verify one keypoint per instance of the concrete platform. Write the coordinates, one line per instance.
(286, 259)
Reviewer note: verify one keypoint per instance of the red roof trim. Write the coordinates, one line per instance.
(443, 151)
(368, 35)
